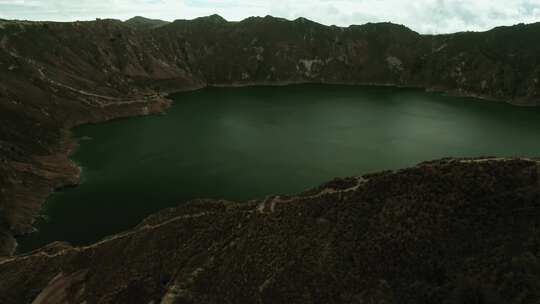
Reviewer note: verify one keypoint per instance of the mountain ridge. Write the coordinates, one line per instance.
(139, 22)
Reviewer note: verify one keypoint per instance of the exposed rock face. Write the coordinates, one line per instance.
(54, 76)
(449, 231)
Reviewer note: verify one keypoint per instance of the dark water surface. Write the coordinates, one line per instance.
(246, 143)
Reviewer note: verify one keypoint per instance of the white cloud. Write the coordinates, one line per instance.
(425, 16)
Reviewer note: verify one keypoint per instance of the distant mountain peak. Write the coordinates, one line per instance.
(139, 22)
(212, 18)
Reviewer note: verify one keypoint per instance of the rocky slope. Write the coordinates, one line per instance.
(54, 76)
(448, 231)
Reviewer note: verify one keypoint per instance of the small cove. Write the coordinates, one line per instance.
(246, 143)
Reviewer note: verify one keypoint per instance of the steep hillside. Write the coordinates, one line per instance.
(54, 76)
(449, 231)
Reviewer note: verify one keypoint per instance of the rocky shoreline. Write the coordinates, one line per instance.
(55, 171)
(442, 90)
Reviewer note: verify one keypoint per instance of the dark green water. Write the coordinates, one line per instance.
(247, 143)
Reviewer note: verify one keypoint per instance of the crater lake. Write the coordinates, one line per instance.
(247, 143)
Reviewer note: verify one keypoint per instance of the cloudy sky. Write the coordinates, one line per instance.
(425, 16)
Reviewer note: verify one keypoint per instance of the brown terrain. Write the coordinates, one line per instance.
(449, 231)
(54, 76)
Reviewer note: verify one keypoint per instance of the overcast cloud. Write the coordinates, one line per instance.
(425, 16)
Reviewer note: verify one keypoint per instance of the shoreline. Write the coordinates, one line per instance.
(60, 179)
(434, 89)
(58, 171)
